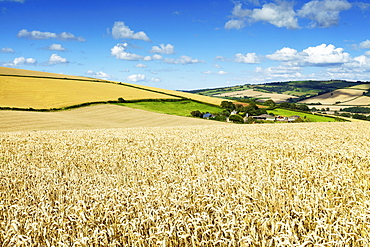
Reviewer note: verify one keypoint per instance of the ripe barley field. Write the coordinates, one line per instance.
(222, 185)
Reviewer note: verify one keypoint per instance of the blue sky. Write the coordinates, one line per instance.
(178, 44)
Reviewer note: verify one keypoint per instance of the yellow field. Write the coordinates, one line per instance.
(342, 95)
(23, 72)
(278, 98)
(201, 98)
(273, 185)
(363, 101)
(92, 117)
(362, 86)
(39, 93)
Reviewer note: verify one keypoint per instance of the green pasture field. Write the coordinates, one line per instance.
(309, 117)
(180, 108)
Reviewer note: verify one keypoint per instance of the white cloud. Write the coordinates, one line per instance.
(235, 24)
(136, 78)
(183, 60)
(221, 72)
(365, 44)
(362, 6)
(321, 55)
(325, 55)
(221, 58)
(6, 50)
(247, 58)
(140, 65)
(367, 53)
(284, 54)
(22, 61)
(119, 51)
(280, 72)
(280, 14)
(121, 31)
(155, 80)
(55, 47)
(157, 57)
(100, 74)
(324, 13)
(38, 35)
(207, 72)
(163, 49)
(56, 59)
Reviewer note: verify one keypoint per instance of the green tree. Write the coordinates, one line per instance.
(236, 118)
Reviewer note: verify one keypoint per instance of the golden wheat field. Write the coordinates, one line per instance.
(41, 90)
(224, 185)
(24, 72)
(41, 93)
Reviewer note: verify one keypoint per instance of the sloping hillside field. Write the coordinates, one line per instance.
(92, 117)
(222, 185)
(39, 90)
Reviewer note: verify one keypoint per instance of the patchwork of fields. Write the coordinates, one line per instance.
(224, 185)
(277, 98)
(347, 96)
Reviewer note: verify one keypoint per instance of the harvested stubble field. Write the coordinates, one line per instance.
(92, 117)
(224, 185)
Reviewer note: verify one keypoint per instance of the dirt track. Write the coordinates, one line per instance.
(93, 117)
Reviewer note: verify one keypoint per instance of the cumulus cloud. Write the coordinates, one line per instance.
(280, 14)
(163, 49)
(119, 51)
(140, 65)
(136, 78)
(321, 55)
(55, 47)
(56, 59)
(325, 55)
(6, 50)
(38, 35)
(247, 58)
(22, 61)
(121, 31)
(183, 60)
(365, 44)
(324, 13)
(235, 24)
(221, 72)
(100, 74)
(284, 54)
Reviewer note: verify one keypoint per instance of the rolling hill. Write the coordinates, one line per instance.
(31, 89)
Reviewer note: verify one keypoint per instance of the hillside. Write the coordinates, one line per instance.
(40, 90)
(344, 96)
(92, 117)
(279, 91)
